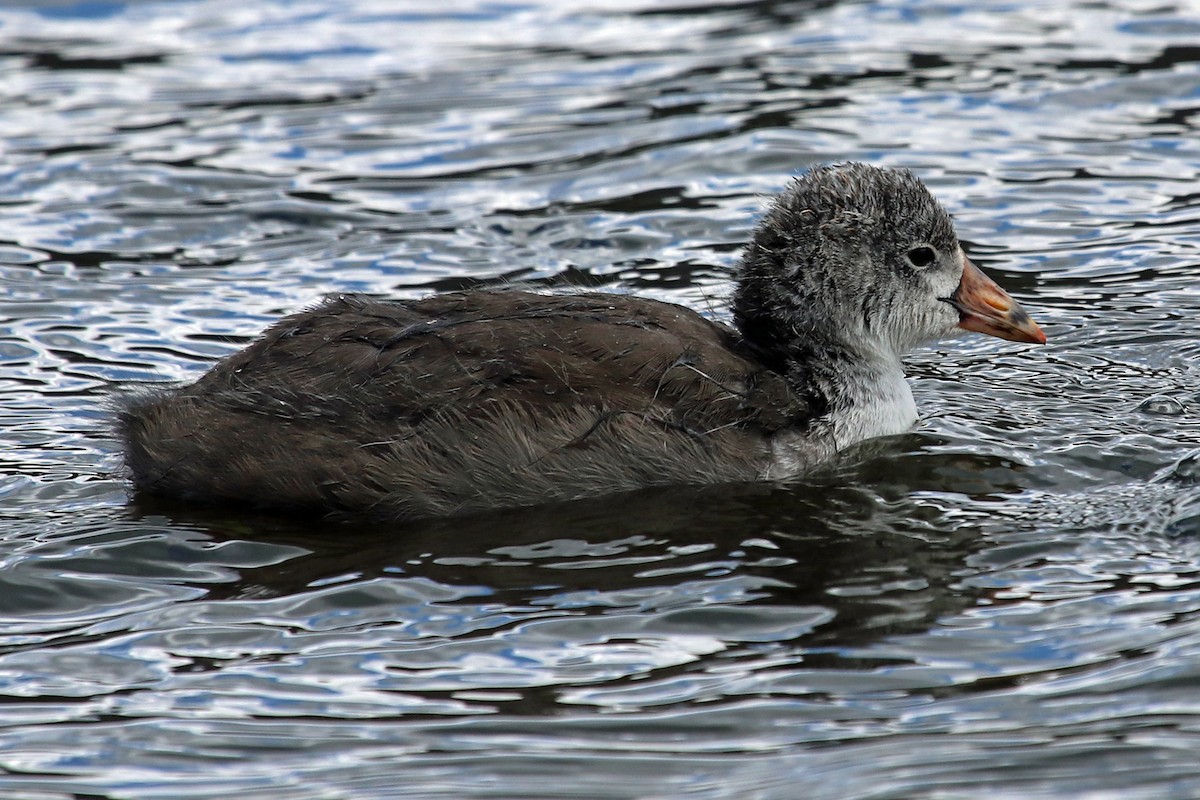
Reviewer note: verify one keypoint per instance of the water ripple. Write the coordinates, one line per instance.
(1006, 597)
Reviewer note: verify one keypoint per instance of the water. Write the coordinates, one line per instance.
(1005, 602)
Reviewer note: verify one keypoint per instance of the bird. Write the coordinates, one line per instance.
(475, 401)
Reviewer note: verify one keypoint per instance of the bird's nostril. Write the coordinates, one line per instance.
(998, 303)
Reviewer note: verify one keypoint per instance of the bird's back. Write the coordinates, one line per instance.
(464, 402)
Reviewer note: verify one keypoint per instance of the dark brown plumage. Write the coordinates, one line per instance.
(471, 401)
(466, 390)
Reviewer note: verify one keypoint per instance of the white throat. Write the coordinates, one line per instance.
(871, 401)
(882, 405)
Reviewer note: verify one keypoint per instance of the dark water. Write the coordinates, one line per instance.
(1004, 603)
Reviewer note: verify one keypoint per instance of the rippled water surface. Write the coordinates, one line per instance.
(1004, 603)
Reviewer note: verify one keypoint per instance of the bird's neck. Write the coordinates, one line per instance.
(861, 396)
(871, 400)
(863, 392)
(858, 387)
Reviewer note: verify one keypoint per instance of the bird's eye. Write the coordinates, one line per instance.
(921, 256)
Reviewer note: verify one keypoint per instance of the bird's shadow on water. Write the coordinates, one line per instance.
(859, 538)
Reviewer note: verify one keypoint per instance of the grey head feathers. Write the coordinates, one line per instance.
(849, 256)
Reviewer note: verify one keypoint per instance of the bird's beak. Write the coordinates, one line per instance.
(984, 307)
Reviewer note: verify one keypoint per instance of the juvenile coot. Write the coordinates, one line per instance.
(478, 400)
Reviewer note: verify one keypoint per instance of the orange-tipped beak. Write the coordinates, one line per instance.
(984, 307)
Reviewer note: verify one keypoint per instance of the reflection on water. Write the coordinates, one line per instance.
(1006, 598)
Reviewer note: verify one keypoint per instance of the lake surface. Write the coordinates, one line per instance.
(1004, 603)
